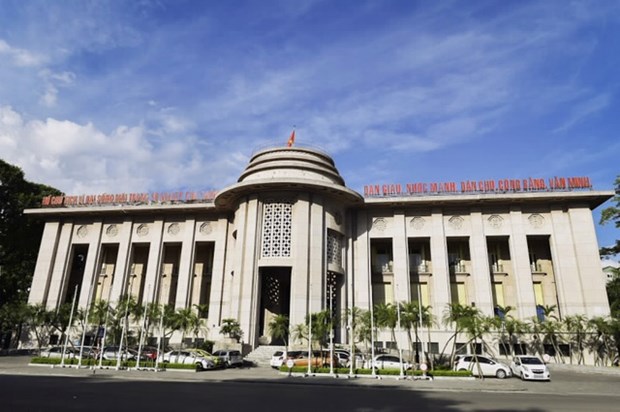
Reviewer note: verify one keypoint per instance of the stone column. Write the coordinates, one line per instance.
(361, 262)
(300, 254)
(439, 258)
(45, 262)
(59, 273)
(186, 264)
(153, 266)
(122, 260)
(219, 275)
(588, 261)
(566, 266)
(480, 265)
(245, 285)
(317, 264)
(91, 269)
(401, 257)
(519, 254)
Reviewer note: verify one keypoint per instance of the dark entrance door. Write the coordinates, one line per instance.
(275, 296)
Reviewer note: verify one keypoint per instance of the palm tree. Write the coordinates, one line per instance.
(387, 317)
(477, 326)
(231, 328)
(410, 319)
(505, 323)
(322, 324)
(600, 342)
(299, 333)
(279, 329)
(577, 325)
(456, 314)
(203, 310)
(185, 321)
(363, 330)
(352, 319)
(550, 329)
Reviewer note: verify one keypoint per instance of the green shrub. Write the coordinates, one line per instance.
(382, 372)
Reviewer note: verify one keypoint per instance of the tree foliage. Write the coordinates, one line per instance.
(20, 235)
(612, 214)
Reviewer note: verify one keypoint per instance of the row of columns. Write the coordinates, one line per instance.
(574, 255)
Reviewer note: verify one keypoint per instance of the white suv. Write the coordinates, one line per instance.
(488, 366)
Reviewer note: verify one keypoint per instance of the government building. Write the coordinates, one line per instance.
(289, 237)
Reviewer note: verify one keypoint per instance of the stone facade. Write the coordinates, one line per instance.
(290, 238)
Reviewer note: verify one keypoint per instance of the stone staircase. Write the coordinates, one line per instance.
(262, 354)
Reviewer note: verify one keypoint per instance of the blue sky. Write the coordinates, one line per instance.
(137, 96)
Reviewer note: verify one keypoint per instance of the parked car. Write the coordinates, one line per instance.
(280, 357)
(488, 366)
(147, 352)
(201, 352)
(343, 357)
(112, 353)
(318, 359)
(187, 357)
(386, 361)
(229, 358)
(530, 368)
(56, 352)
(360, 361)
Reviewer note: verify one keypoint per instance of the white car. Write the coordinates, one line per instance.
(56, 352)
(530, 368)
(189, 358)
(280, 357)
(387, 362)
(488, 366)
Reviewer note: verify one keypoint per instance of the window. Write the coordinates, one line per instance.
(420, 293)
(458, 292)
(538, 293)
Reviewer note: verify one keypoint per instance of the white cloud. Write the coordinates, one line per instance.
(79, 158)
(20, 57)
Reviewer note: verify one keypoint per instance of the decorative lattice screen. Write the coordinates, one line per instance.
(277, 217)
(334, 248)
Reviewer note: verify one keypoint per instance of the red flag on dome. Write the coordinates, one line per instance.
(291, 139)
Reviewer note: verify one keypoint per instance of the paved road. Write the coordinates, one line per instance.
(24, 388)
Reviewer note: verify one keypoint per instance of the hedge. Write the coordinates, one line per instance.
(384, 372)
(111, 363)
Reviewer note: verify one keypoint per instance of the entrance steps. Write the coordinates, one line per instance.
(262, 354)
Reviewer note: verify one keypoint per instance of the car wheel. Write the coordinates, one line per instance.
(500, 374)
(521, 376)
(199, 366)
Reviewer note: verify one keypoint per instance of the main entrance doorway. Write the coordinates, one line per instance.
(275, 297)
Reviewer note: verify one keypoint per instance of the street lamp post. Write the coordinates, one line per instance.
(124, 330)
(331, 329)
(64, 347)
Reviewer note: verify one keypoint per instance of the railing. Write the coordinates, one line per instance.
(535, 267)
(497, 268)
(458, 268)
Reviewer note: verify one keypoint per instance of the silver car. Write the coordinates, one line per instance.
(229, 358)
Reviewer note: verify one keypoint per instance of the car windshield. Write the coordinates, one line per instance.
(531, 361)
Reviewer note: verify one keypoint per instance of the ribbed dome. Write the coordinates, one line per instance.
(289, 168)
